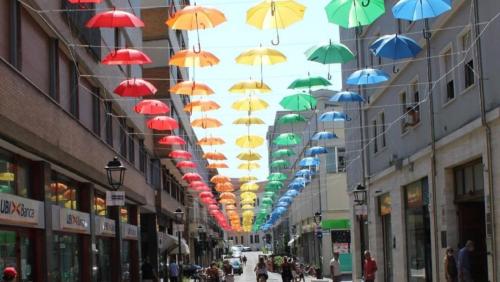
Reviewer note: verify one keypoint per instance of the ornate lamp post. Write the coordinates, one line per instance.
(179, 216)
(360, 200)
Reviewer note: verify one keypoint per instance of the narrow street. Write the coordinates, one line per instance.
(249, 274)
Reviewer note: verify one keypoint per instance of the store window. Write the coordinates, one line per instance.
(103, 260)
(66, 258)
(100, 205)
(63, 191)
(469, 179)
(124, 214)
(14, 175)
(418, 235)
(16, 250)
(126, 261)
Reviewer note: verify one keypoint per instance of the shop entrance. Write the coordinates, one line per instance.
(387, 235)
(16, 251)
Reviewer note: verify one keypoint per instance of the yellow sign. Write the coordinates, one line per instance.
(6, 176)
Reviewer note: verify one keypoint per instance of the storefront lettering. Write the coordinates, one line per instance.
(76, 220)
(16, 209)
(11, 207)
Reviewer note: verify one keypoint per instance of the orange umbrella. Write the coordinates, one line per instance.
(227, 201)
(201, 106)
(220, 179)
(227, 195)
(224, 187)
(216, 156)
(188, 58)
(211, 141)
(206, 122)
(217, 165)
(231, 208)
(191, 88)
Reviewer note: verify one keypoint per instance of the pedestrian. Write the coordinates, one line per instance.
(9, 274)
(299, 268)
(213, 274)
(286, 270)
(335, 268)
(148, 272)
(261, 269)
(370, 267)
(450, 266)
(173, 271)
(244, 260)
(464, 262)
(228, 270)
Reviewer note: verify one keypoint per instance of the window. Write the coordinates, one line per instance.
(242, 241)
(466, 42)
(414, 109)
(447, 67)
(66, 257)
(54, 69)
(142, 156)
(374, 132)
(341, 159)
(14, 175)
(123, 137)
(469, 178)
(74, 91)
(100, 205)
(403, 102)
(382, 129)
(124, 214)
(109, 123)
(251, 239)
(96, 111)
(131, 145)
(63, 191)
(331, 160)
(256, 238)
(77, 16)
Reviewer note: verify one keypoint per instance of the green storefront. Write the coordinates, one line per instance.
(340, 230)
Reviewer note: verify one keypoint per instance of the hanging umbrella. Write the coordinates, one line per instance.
(201, 106)
(367, 76)
(250, 186)
(126, 56)
(248, 195)
(249, 166)
(324, 135)
(216, 156)
(114, 19)
(287, 139)
(247, 207)
(206, 122)
(279, 164)
(286, 199)
(275, 14)
(151, 107)
(249, 121)
(332, 53)
(261, 56)
(249, 156)
(296, 186)
(250, 104)
(304, 173)
(84, 1)
(333, 116)
(211, 141)
(266, 201)
(217, 165)
(191, 88)
(414, 10)
(180, 154)
(188, 58)
(230, 208)
(291, 118)
(172, 140)
(317, 150)
(248, 86)
(283, 153)
(248, 178)
(220, 179)
(395, 47)
(191, 176)
(354, 13)
(162, 123)
(291, 193)
(224, 187)
(308, 83)
(135, 87)
(299, 102)
(185, 164)
(277, 176)
(249, 141)
(309, 161)
(247, 201)
(346, 96)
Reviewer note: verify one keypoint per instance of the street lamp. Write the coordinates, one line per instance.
(116, 173)
(317, 218)
(360, 200)
(360, 195)
(319, 235)
(179, 216)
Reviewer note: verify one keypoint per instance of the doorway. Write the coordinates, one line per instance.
(387, 236)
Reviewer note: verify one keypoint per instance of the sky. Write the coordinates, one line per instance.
(227, 41)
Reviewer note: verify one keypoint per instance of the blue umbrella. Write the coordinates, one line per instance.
(346, 96)
(395, 46)
(291, 193)
(286, 199)
(309, 161)
(414, 10)
(282, 204)
(324, 135)
(304, 173)
(281, 210)
(334, 116)
(296, 186)
(317, 150)
(301, 180)
(367, 76)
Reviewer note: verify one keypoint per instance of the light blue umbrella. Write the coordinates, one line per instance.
(296, 186)
(346, 96)
(395, 47)
(282, 204)
(306, 173)
(414, 10)
(317, 150)
(281, 210)
(324, 135)
(367, 76)
(286, 199)
(291, 193)
(309, 161)
(301, 180)
(334, 116)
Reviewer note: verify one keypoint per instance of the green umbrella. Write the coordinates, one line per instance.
(280, 164)
(283, 153)
(299, 102)
(332, 53)
(354, 13)
(287, 139)
(271, 188)
(278, 176)
(291, 118)
(266, 201)
(269, 194)
(309, 82)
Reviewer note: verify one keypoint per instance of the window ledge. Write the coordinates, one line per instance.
(468, 89)
(447, 103)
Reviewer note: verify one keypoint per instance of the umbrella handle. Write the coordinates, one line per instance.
(365, 4)
(199, 48)
(329, 76)
(395, 69)
(171, 4)
(277, 42)
(273, 14)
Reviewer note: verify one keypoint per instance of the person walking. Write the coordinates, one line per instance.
(370, 267)
(213, 274)
(450, 266)
(148, 272)
(335, 268)
(286, 270)
(173, 271)
(9, 274)
(244, 260)
(464, 262)
(261, 269)
(228, 270)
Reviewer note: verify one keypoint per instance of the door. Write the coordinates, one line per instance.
(387, 237)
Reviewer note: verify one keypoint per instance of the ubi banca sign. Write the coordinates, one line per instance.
(18, 210)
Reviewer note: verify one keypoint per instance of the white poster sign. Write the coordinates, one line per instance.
(115, 198)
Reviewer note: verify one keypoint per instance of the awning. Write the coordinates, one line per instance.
(166, 242)
(290, 243)
(184, 248)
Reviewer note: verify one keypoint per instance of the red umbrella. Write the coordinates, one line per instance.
(213, 207)
(191, 176)
(113, 19)
(172, 140)
(163, 123)
(208, 201)
(135, 87)
(185, 164)
(181, 154)
(203, 189)
(126, 56)
(206, 195)
(196, 184)
(151, 107)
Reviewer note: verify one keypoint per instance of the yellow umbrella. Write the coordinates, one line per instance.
(248, 195)
(248, 214)
(250, 104)
(248, 178)
(191, 88)
(189, 58)
(249, 187)
(249, 156)
(249, 141)
(249, 166)
(201, 106)
(248, 120)
(206, 123)
(261, 56)
(250, 86)
(277, 14)
(247, 207)
(247, 201)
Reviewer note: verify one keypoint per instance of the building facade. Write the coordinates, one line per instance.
(424, 146)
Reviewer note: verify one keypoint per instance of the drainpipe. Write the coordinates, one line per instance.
(487, 130)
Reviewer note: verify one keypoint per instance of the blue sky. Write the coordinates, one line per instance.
(233, 37)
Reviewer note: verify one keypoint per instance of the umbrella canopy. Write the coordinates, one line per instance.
(247, 86)
(247, 207)
(162, 123)
(291, 118)
(308, 83)
(283, 153)
(291, 193)
(287, 139)
(333, 116)
(220, 179)
(414, 10)
(274, 183)
(201, 106)
(249, 166)
(367, 76)
(206, 195)
(171, 140)
(395, 47)
(299, 102)
(277, 176)
(151, 107)
(261, 56)
(309, 161)
(331, 53)
(186, 164)
(191, 88)
(248, 178)
(135, 87)
(217, 165)
(251, 104)
(211, 141)
(180, 154)
(249, 141)
(206, 122)
(304, 173)
(193, 17)
(280, 164)
(354, 13)
(250, 186)
(224, 187)
(189, 58)
(248, 195)
(249, 156)
(126, 56)
(247, 201)
(191, 176)
(114, 19)
(227, 195)
(249, 121)
(323, 135)
(317, 150)
(346, 96)
(216, 156)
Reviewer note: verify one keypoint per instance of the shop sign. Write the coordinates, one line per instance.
(105, 226)
(115, 198)
(385, 203)
(16, 209)
(72, 220)
(130, 232)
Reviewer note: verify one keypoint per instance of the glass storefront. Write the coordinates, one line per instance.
(14, 175)
(63, 192)
(16, 251)
(126, 261)
(66, 257)
(103, 259)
